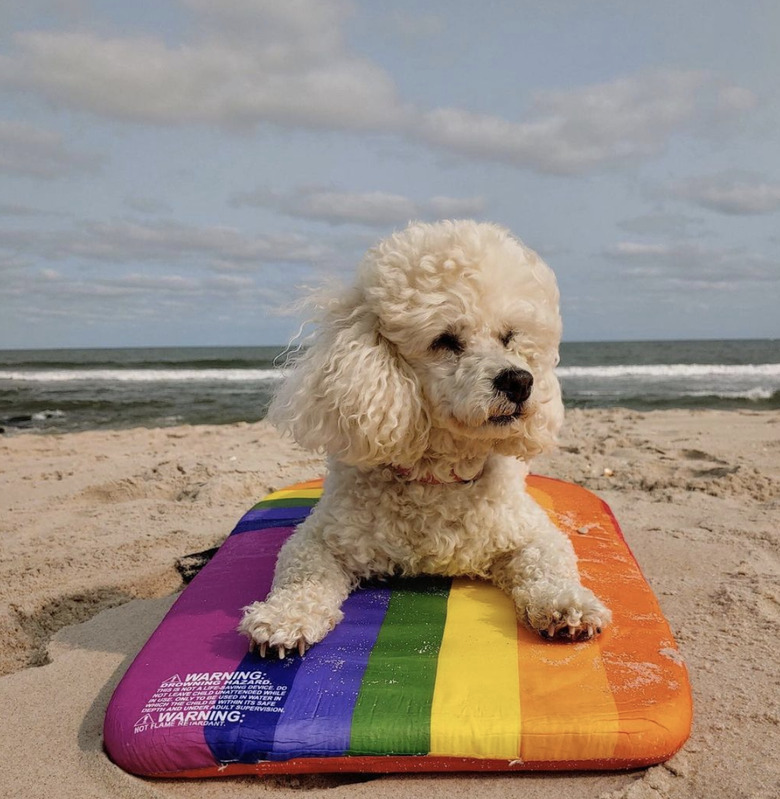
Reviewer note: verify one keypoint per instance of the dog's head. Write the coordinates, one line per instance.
(450, 335)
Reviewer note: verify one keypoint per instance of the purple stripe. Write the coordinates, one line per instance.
(317, 716)
(197, 635)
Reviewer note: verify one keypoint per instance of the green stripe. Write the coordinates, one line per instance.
(287, 502)
(393, 710)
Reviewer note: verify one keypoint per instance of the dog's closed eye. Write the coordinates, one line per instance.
(507, 337)
(449, 342)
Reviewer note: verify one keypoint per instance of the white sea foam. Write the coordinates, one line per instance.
(673, 370)
(142, 375)
(42, 416)
(757, 393)
(659, 371)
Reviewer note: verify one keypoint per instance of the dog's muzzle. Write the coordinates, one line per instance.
(515, 386)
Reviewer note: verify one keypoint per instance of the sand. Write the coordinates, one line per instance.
(92, 525)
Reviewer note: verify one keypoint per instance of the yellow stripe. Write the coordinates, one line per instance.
(302, 493)
(476, 701)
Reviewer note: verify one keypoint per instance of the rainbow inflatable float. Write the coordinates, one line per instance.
(424, 674)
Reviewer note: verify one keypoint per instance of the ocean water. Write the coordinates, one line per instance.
(63, 390)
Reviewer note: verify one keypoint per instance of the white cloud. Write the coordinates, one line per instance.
(417, 27)
(128, 242)
(283, 63)
(693, 264)
(303, 28)
(660, 223)
(634, 249)
(371, 209)
(29, 151)
(267, 62)
(731, 100)
(146, 205)
(137, 293)
(594, 126)
(135, 283)
(454, 207)
(228, 284)
(20, 210)
(11, 264)
(731, 194)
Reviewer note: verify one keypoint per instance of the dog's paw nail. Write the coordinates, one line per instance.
(282, 653)
(263, 649)
(551, 631)
(301, 647)
(572, 632)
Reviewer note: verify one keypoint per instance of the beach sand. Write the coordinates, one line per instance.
(92, 525)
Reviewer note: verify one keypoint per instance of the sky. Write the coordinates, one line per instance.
(180, 172)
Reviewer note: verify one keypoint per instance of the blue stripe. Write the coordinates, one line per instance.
(317, 720)
(247, 736)
(271, 517)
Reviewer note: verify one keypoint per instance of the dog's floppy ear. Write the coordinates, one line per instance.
(352, 396)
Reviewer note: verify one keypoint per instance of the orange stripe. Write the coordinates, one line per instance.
(317, 483)
(644, 676)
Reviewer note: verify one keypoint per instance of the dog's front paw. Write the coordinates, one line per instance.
(287, 622)
(573, 613)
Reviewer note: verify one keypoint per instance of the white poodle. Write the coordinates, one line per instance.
(430, 385)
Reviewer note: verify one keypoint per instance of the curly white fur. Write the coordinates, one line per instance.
(417, 387)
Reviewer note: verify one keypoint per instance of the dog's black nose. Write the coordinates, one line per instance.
(515, 384)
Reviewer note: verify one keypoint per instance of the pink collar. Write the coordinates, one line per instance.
(430, 480)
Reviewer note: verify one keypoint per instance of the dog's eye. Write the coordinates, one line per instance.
(507, 337)
(448, 341)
